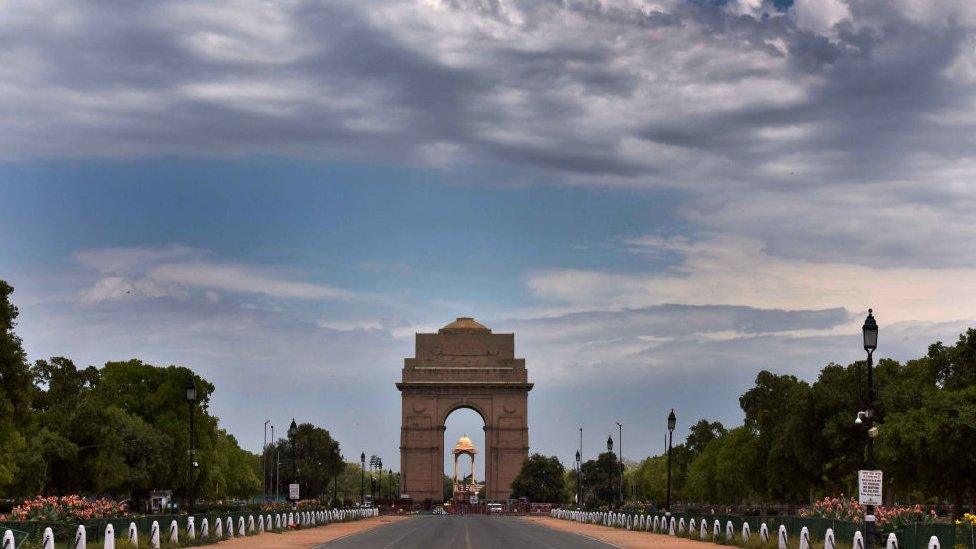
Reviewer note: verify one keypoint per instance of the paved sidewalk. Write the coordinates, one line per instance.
(618, 536)
(308, 537)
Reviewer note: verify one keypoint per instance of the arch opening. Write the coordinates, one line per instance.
(464, 422)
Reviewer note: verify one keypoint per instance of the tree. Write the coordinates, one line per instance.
(599, 486)
(541, 479)
(15, 388)
(701, 433)
(779, 409)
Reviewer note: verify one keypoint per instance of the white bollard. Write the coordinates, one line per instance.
(703, 535)
(48, 540)
(219, 528)
(133, 534)
(692, 527)
(240, 526)
(8, 540)
(681, 526)
(858, 540)
(763, 532)
(729, 531)
(154, 535)
(191, 529)
(892, 542)
(81, 537)
(716, 530)
(804, 538)
(829, 541)
(934, 543)
(782, 537)
(671, 525)
(746, 531)
(174, 532)
(229, 526)
(267, 522)
(108, 542)
(250, 523)
(205, 528)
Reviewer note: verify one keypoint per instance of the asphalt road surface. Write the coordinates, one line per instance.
(466, 532)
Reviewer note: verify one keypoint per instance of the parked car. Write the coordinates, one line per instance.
(495, 509)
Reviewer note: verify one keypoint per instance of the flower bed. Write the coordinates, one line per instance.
(888, 518)
(71, 508)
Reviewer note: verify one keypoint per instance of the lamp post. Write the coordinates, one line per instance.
(870, 334)
(579, 483)
(362, 479)
(292, 431)
(610, 451)
(191, 398)
(672, 421)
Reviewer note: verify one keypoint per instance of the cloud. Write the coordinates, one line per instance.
(169, 272)
(723, 270)
(856, 118)
(237, 278)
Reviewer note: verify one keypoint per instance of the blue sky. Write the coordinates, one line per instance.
(660, 198)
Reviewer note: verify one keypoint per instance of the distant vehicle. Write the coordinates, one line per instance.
(440, 511)
(495, 509)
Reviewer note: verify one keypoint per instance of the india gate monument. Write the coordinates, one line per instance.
(463, 365)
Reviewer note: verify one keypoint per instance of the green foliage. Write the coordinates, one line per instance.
(542, 479)
(600, 478)
(119, 431)
(318, 461)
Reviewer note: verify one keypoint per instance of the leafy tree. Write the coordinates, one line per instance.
(701, 433)
(541, 479)
(15, 388)
(600, 480)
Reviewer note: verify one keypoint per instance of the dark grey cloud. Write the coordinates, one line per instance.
(854, 111)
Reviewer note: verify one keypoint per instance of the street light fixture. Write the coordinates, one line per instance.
(362, 479)
(672, 421)
(579, 482)
(870, 334)
(292, 431)
(191, 398)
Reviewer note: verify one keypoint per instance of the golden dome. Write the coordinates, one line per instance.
(464, 443)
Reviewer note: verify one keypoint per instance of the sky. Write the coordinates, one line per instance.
(659, 198)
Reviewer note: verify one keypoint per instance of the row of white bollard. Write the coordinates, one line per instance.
(264, 522)
(665, 524)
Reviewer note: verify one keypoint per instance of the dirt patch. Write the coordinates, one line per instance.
(309, 537)
(617, 536)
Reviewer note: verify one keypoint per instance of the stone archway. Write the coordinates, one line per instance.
(463, 365)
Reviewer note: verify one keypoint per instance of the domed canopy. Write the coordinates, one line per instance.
(465, 324)
(464, 444)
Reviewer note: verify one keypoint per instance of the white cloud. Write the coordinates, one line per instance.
(171, 271)
(736, 271)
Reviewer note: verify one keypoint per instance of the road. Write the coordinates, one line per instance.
(464, 531)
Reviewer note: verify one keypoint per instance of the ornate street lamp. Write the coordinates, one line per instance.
(362, 479)
(191, 398)
(870, 334)
(292, 431)
(579, 482)
(672, 421)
